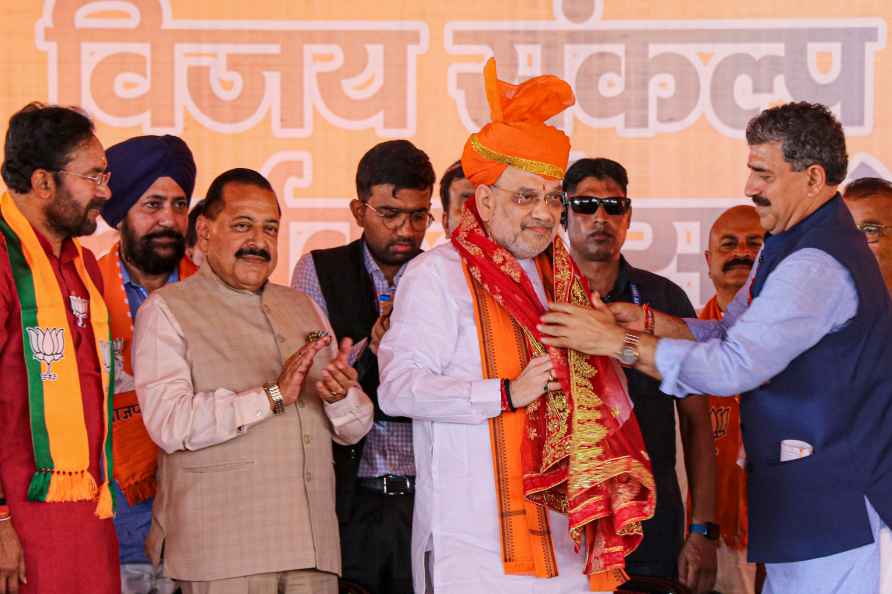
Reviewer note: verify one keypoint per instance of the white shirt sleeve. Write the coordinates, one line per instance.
(427, 357)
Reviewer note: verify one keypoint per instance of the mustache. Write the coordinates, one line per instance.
(761, 201)
(534, 222)
(407, 242)
(748, 262)
(253, 251)
(163, 234)
(602, 229)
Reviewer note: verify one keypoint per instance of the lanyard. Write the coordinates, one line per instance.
(636, 294)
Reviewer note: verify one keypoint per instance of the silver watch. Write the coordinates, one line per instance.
(629, 353)
(275, 397)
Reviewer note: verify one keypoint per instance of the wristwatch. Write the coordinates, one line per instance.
(275, 398)
(708, 529)
(628, 354)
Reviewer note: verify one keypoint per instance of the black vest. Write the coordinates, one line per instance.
(837, 396)
(351, 301)
(352, 309)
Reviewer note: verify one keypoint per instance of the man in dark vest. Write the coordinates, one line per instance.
(806, 344)
(354, 285)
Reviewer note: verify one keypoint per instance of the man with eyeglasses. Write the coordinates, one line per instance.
(56, 528)
(531, 475)
(152, 185)
(806, 344)
(354, 285)
(870, 201)
(598, 218)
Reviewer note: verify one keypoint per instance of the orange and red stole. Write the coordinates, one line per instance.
(134, 451)
(579, 450)
(731, 501)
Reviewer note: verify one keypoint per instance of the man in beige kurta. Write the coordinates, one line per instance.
(244, 399)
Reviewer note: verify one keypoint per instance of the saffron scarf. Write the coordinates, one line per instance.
(55, 403)
(135, 453)
(731, 500)
(579, 450)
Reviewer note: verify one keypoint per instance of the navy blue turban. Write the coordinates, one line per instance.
(136, 163)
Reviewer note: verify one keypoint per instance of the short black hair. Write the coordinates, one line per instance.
(41, 137)
(867, 186)
(453, 172)
(213, 201)
(599, 168)
(809, 135)
(191, 229)
(397, 162)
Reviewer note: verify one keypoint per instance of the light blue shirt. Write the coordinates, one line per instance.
(807, 296)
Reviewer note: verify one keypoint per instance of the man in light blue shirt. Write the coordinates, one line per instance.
(153, 179)
(806, 344)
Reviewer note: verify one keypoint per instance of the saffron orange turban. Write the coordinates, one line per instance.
(517, 134)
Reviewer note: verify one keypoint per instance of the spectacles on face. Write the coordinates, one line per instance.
(395, 218)
(100, 179)
(589, 205)
(526, 199)
(873, 231)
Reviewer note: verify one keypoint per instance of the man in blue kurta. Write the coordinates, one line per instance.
(806, 343)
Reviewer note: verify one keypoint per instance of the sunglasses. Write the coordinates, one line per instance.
(589, 205)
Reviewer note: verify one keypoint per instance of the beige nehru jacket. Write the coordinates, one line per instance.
(240, 491)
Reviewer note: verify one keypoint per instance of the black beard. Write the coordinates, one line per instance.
(140, 252)
(64, 217)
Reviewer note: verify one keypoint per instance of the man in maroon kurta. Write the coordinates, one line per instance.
(66, 547)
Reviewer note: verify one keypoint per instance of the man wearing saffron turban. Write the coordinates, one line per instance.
(531, 470)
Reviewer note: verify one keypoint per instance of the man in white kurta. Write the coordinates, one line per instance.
(431, 372)
(468, 535)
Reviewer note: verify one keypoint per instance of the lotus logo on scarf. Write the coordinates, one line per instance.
(47, 345)
(79, 307)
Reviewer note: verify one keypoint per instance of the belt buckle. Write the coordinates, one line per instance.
(397, 491)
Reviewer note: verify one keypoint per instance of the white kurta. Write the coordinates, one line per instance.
(431, 372)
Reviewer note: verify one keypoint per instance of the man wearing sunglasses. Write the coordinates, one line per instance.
(870, 201)
(354, 285)
(597, 221)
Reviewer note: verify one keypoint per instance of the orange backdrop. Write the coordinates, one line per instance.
(300, 90)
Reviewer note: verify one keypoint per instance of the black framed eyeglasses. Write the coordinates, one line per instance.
(589, 205)
(394, 218)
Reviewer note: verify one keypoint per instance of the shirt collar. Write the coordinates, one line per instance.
(623, 278)
(372, 266)
(128, 280)
(66, 254)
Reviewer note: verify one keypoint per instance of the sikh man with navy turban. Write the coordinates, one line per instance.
(152, 179)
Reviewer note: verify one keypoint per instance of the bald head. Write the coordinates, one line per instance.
(734, 241)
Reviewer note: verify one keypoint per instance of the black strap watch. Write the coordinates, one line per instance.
(708, 529)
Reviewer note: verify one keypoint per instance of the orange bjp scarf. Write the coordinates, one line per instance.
(731, 500)
(59, 436)
(579, 450)
(134, 451)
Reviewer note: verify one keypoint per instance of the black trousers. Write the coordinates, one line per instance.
(376, 542)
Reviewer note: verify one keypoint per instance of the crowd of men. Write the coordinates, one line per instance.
(497, 414)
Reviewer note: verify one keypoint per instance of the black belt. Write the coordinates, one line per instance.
(389, 484)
